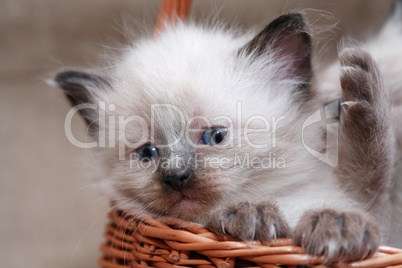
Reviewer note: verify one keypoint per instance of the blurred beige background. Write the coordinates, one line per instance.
(50, 215)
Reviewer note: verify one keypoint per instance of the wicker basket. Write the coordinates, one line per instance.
(146, 242)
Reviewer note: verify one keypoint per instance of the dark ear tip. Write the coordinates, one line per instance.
(78, 86)
(66, 77)
(290, 22)
(295, 16)
(297, 20)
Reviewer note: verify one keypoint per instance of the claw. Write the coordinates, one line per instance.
(347, 104)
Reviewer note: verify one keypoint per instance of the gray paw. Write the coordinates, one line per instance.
(360, 77)
(337, 235)
(364, 102)
(262, 221)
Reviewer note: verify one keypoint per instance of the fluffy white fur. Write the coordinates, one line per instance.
(199, 70)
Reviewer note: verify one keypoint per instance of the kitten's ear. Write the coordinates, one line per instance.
(287, 36)
(79, 88)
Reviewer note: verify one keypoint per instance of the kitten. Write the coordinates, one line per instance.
(216, 127)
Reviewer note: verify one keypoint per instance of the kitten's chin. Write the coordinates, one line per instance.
(187, 206)
(188, 202)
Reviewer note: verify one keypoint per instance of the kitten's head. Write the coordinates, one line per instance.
(187, 119)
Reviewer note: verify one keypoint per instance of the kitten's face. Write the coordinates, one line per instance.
(186, 155)
(194, 114)
(164, 170)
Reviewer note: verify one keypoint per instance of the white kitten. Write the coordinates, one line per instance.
(217, 127)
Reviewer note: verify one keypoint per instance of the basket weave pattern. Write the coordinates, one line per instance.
(146, 242)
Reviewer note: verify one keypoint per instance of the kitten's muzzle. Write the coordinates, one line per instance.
(176, 181)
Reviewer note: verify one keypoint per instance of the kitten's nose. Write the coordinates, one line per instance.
(176, 181)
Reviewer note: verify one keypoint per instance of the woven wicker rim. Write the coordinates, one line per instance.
(142, 241)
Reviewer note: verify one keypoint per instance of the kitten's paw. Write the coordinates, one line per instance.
(364, 102)
(360, 77)
(248, 221)
(337, 235)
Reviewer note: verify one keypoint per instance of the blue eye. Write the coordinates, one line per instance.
(147, 152)
(214, 136)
